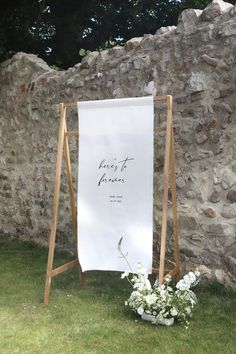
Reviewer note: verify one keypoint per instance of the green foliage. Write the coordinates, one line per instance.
(62, 31)
(83, 52)
(92, 318)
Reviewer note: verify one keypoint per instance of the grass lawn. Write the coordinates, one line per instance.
(92, 318)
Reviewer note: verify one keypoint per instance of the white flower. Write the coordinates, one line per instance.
(173, 312)
(124, 275)
(134, 295)
(140, 310)
(182, 285)
(192, 277)
(148, 284)
(187, 281)
(134, 279)
(186, 278)
(140, 287)
(188, 310)
(168, 278)
(150, 299)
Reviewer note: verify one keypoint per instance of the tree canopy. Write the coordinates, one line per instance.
(61, 31)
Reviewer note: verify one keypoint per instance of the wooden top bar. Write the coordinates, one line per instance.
(74, 104)
(76, 132)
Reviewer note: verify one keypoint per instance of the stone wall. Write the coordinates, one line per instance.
(194, 62)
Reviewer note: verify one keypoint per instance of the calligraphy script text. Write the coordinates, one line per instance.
(115, 166)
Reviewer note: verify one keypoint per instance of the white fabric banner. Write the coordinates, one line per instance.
(115, 184)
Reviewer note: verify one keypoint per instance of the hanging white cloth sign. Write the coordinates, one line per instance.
(115, 183)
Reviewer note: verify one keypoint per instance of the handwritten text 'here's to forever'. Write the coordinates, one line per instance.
(113, 171)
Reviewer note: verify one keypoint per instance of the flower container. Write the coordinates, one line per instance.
(166, 321)
(170, 299)
(147, 317)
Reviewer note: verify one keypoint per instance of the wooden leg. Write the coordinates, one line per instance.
(81, 275)
(70, 184)
(55, 205)
(174, 203)
(71, 194)
(165, 194)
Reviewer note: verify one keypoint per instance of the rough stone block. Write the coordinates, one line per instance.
(118, 51)
(188, 20)
(214, 197)
(197, 82)
(150, 89)
(104, 54)
(232, 11)
(188, 222)
(215, 62)
(228, 179)
(231, 196)
(147, 42)
(141, 63)
(210, 212)
(228, 29)
(133, 43)
(180, 182)
(89, 60)
(164, 30)
(201, 138)
(228, 212)
(214, 9)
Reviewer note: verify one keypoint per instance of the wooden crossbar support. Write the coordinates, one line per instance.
(64, 267)
(155, 98)
(169, 171)
(171, 272)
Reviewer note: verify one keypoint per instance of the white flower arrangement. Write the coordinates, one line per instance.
(165, 301)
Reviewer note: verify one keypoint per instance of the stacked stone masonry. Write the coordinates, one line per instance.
(194, 62)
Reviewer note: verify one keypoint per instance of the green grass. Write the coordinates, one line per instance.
(92, 318)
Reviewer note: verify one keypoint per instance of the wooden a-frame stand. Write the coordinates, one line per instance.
(169, 169)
